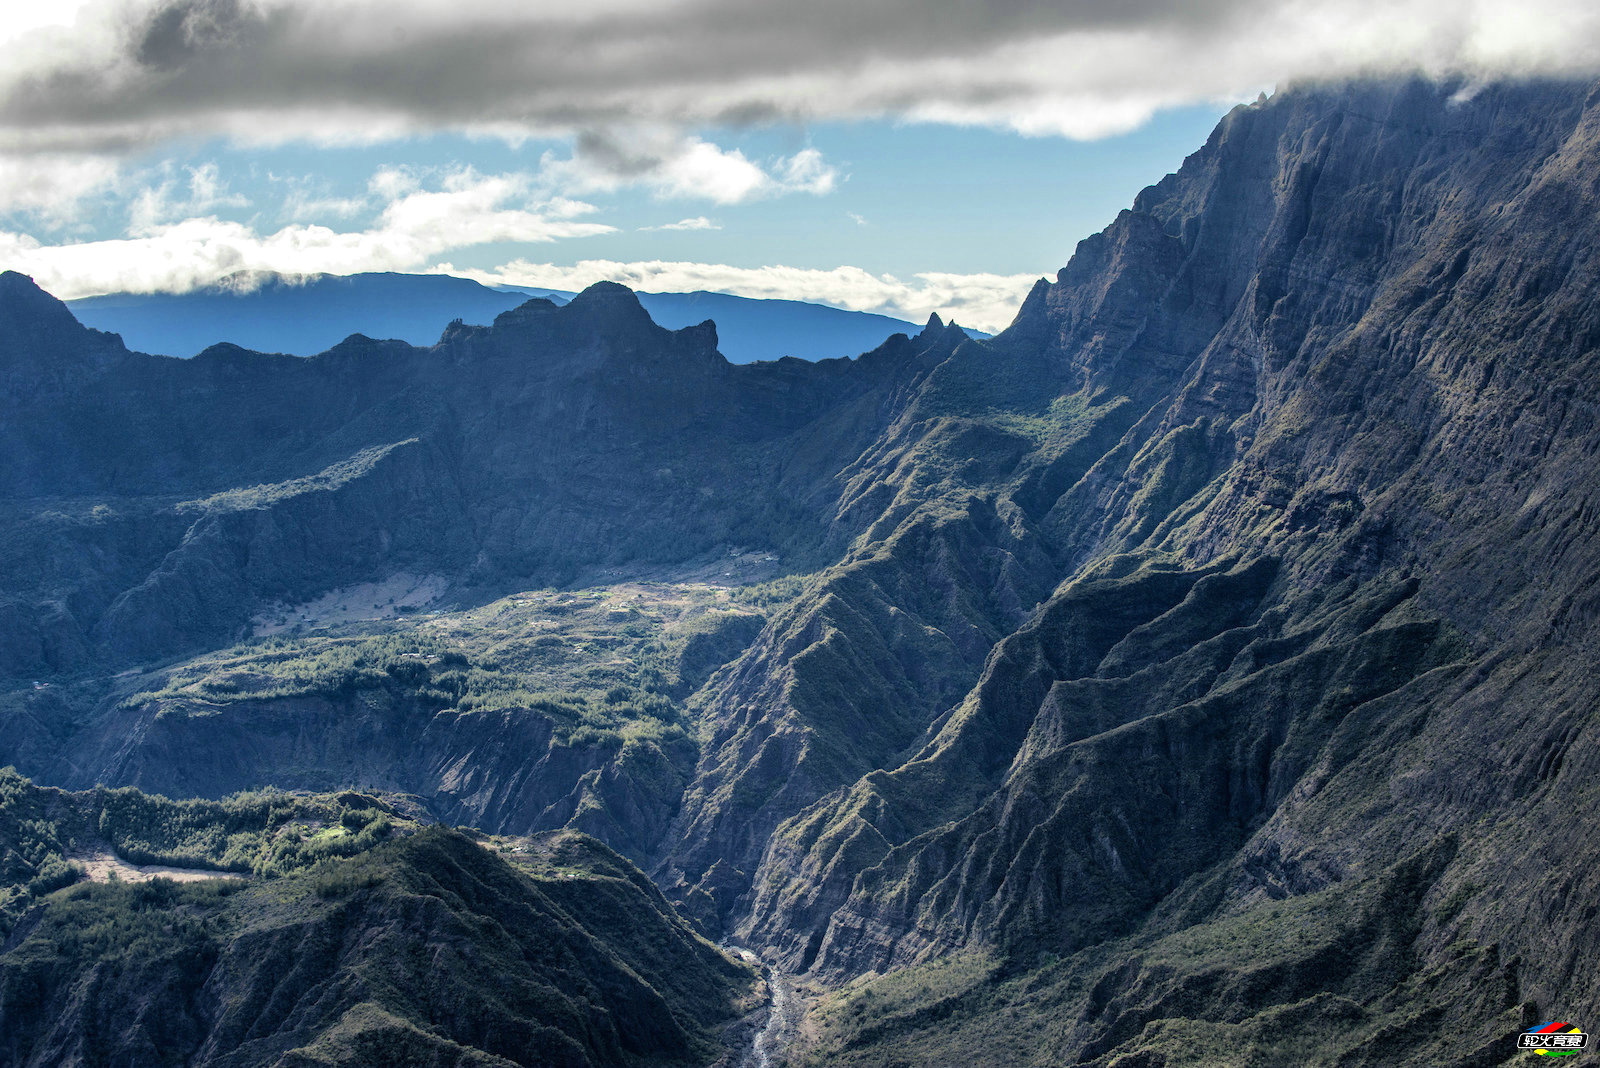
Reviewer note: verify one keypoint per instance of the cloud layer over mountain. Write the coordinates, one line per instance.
(91, 90)
(135, 71)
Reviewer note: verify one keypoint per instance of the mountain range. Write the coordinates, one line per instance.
(1196, 672)
(305, 316)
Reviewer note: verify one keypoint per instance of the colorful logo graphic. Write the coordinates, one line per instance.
(1553, 1039)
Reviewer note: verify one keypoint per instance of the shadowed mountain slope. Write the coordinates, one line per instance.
(390, 944)
(1195, 672)
(183, 494)
(1321, 631)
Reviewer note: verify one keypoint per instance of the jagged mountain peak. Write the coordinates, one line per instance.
(611, 305)
(607, 315)
(607, 294)
(940, 334)
(38, 329)
(26, 306)
(605, 306)
(14, 280)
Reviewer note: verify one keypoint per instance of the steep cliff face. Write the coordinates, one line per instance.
(1356, 335)
(505, 771)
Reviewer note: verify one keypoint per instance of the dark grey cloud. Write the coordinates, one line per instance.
(349, 67)
(176, 33)
(614, 155)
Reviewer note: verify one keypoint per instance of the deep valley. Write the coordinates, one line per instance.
(1198, 672)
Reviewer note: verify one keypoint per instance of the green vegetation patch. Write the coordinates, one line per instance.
(606, 665)
(1325, 978)
(427, 949)
(330, 478)
(47, 835)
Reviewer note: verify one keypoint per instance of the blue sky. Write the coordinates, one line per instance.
(908, 197)
(901, 156)
(902, 199)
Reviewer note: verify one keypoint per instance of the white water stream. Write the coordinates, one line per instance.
(770, 1046)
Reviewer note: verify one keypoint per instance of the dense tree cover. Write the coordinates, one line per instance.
(432, 948)
(45, 832)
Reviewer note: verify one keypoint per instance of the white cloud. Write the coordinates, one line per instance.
(984, 301)
(52, 187)
(705, 170)
(302, 206)
(311, 197)
(415, 227)
(19, 18)
(673, 167)
(469, 210)
(699, 222)
(805, 171)
(393, 182)
(205, 192)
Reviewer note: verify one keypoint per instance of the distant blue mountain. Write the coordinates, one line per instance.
(311, 316)
(302, 318)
